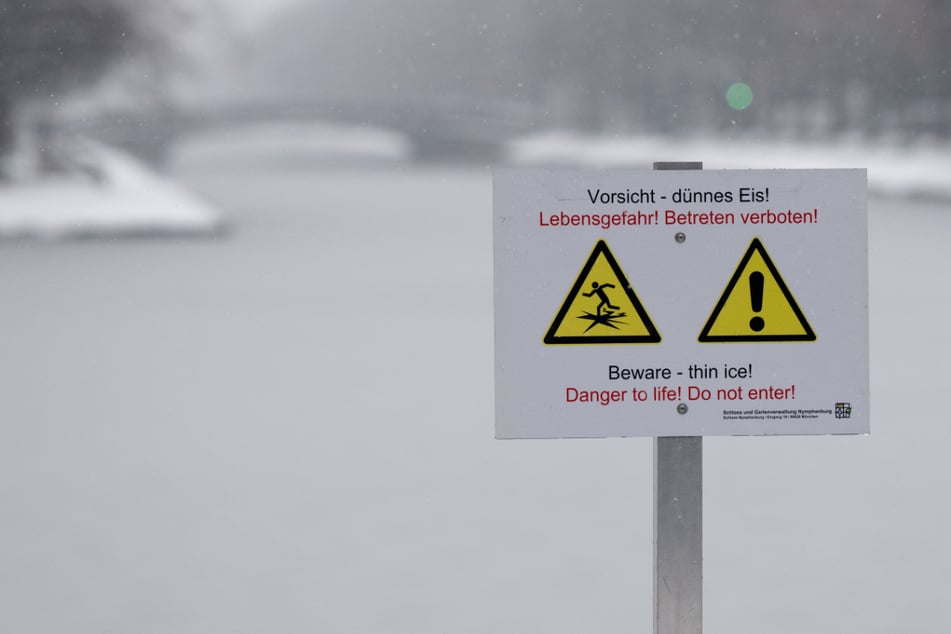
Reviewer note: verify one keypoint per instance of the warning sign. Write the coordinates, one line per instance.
(680, 303)
(601, 307)
(756, 306)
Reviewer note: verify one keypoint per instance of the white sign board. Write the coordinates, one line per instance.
(680, 303)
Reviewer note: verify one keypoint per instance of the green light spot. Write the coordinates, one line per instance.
(739, 96)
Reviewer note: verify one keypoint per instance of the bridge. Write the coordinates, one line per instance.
(438, 129)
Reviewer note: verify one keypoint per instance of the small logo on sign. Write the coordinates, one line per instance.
(843, 410)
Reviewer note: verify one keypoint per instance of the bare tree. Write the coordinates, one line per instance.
(51, 47)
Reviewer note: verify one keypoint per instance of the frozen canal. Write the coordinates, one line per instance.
(291, 430)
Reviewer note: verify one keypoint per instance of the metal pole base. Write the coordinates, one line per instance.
(678, 535)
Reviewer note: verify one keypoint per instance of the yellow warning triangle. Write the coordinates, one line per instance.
(756, 305)
(601, 307)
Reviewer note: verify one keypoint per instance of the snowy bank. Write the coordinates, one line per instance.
(913, 170)
(117, 197)
(294, 142)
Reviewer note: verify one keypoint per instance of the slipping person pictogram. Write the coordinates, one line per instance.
(609, 318)
(599, 291)
(609, 313)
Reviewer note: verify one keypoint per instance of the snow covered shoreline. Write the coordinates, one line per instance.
(917, 171)
(122, 199)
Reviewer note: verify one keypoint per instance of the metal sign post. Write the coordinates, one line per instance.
(678, 522)
(678, 535)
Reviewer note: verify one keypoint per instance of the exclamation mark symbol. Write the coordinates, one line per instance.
(756, 299)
